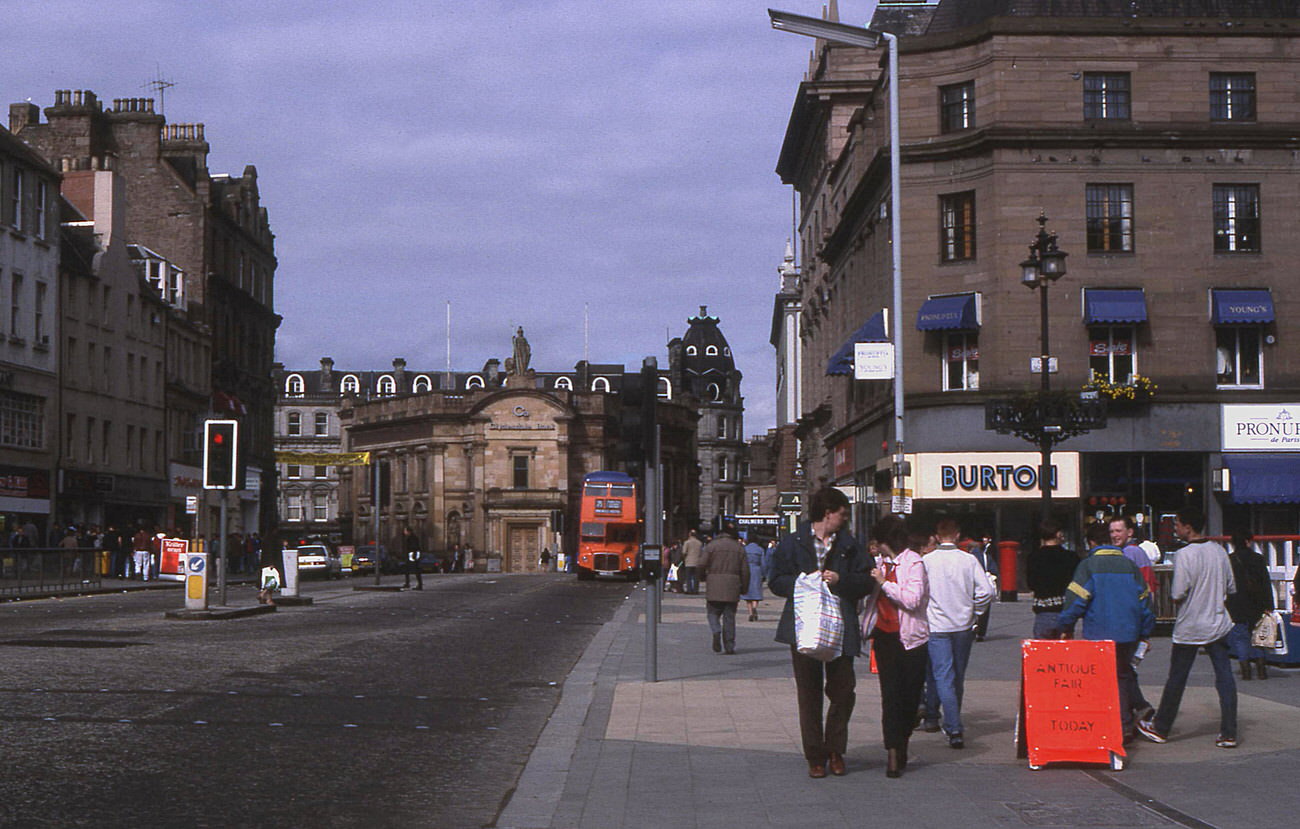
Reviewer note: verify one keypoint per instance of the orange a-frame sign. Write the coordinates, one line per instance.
(1070, 703)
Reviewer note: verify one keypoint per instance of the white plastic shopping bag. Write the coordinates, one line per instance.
(818, 625)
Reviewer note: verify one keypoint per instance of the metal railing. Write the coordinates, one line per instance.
(36, 571)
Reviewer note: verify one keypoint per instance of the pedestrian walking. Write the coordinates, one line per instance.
(959, 590)
(691, 549)
(1049, 571)
(140, 554)
(753, 594)
(546, 559)
(822, 545)
(411, 546)
(1110, 595)
(893, 617)
(727, 571)
(1202, 583)
(1253, 599)
(1122, 535)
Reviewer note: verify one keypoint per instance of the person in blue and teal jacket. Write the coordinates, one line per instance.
(1109, 594)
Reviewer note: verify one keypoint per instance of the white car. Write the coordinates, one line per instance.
(319, 559)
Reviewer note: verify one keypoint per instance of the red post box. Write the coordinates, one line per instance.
(1008, 562)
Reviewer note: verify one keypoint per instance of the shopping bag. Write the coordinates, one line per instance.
(1267, 633)
(818, 625)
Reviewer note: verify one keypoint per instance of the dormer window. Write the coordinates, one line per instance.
(714, 392)
(351, 385)
(665, 389)
(423, 383)
(387, 386)
(691, 351)
(711, 351)
(564, 383)
(294, 386)
(600, 384)
(474, 382)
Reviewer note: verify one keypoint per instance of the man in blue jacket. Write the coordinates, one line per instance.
(823, 545)
(1110, 595)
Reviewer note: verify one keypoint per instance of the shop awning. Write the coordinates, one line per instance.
(1265, 479)
(1242, 307)
(872, 331)
(1114, 305)
(948, 313)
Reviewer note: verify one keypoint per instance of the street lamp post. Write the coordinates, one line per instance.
(1045, 265)
(870, 39)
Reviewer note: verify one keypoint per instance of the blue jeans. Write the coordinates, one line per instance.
(1181, 659)
(1239, 646)
(945, 678)
(1045, 623)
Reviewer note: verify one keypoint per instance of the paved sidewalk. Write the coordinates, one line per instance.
(716, 741)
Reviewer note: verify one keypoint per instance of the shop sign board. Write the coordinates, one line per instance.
(1070, 703)
(990, 475)
(873, 361)
(1260, 427)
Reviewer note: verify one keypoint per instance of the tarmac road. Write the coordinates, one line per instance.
(372, 709)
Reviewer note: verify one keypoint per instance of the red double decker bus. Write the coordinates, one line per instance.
(609, 527)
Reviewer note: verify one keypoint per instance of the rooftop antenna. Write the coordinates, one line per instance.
(586, 332)
(449, 339)
(160, 85)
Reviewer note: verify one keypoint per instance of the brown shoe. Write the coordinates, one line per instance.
(816, 771)
(836, 764)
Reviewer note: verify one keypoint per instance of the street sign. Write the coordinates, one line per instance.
(873, 361)
(191, 505)
(1036, 365)
(901, 504)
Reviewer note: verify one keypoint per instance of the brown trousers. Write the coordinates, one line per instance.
(837, 680)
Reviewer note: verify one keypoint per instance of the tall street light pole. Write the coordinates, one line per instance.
(870, 39)
(1045, 265)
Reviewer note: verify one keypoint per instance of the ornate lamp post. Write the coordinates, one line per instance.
(1045, 265)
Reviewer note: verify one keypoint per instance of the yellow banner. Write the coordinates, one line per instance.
(324, 458)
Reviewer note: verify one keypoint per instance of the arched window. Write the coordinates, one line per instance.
(691, 351)
(474, 382)
(665, 388)
(295, 424)
(387, 386)
(564, 383)
(713, 392)
(600, 384)
(351, 385)
(293, 386)
(711, 351)
(726, 351)
(423, 383)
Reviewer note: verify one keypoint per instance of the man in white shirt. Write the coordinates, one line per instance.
(959, 592)
(1202, 581)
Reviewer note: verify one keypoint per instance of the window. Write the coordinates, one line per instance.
(423, 383)
(957, 107)
(520, 463)
(665, 389)
(351, 385)
(293, 386)
(295, 424)
(691, 351)
(1232, 96)
(106, 441)
(1110, 218)
(564, 383)
(1236, 218)
(321, 472)
(293, 471)
(600, 384)
(387, 386)
(295, 507)
(39, 335)
(22, 420)
(723, 469)
(711, 351)
(1111, 353)
(961, 362)
(319, 506)
(722, 426)
(322, 423)
(474, 382)
(1106, 96)
(957, 226)
(16, 200)
(724, 505)
(15, 304)
(42, 190)
(70, 438)
(713, 392)
(1238, 356)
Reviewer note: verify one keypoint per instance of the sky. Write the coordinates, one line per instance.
(520, 159)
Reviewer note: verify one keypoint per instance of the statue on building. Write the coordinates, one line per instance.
(523, 353)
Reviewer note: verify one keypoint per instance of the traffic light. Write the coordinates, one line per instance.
(221, 454)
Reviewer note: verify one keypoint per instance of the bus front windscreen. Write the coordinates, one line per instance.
(593, 529)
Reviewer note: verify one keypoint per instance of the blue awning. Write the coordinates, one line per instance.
(948, 313)
(1265, 479)
(1242, 307)
(872, 331)
(1111, 305)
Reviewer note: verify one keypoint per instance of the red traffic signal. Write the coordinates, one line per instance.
(221, 454)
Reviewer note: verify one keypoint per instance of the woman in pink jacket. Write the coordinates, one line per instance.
(894, 618)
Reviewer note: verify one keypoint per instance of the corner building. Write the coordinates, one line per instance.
(1159, 138)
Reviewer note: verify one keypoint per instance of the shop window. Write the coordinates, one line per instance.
(961, 362)
(1236, 218)
(1107, 96)
(957, 107)
(1239, 356)
(1232, 96)
(1110, 218)
(1111, 353)
(957, 226)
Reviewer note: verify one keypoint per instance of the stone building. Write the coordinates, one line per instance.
(213, 229)
(1159, 140)
(701, 365)
(29, 347)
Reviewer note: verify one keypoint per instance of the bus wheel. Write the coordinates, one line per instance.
(585, 575)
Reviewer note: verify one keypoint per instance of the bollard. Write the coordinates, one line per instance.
(196, 581)
(290, 588)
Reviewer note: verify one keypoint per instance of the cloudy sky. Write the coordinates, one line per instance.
(517, 158)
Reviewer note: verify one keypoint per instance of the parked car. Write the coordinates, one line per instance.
(319, 559)
(363, 560)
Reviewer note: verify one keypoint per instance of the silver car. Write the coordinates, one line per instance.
(319, 559)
